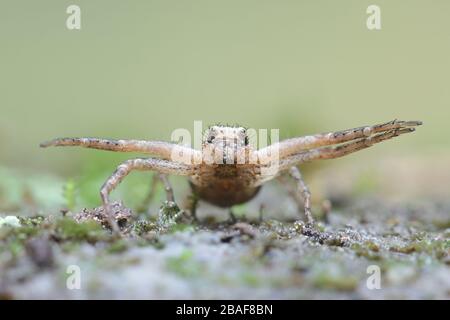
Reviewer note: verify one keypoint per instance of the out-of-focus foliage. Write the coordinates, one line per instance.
(35, 193)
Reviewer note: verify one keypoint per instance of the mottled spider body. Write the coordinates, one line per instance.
(225, 191)
(229, 170)
(229, 178)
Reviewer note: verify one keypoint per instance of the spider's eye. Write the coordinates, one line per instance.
(210, 139)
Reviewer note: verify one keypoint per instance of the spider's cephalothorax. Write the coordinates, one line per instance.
(226, 141)
(230, 170)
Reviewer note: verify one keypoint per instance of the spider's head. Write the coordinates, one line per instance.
(226, 141)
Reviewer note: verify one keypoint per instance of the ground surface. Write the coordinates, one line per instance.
(170, 257)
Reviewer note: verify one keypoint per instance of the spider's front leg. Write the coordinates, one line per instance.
(340, 150)
(161, 149)
(296, 145)
(158, 165)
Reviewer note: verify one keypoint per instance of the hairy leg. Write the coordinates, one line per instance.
(283, 179)
(296, 145)
(158, 148)
(167, 187)
(154, 181)
(339, 150)
(303, 189)
(158, 165)
(192, 205)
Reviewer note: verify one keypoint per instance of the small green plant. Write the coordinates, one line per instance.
(70, 194)
(169, 213)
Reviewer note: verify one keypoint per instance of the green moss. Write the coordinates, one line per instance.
(31, 221)
(118, 246)
(184, 265)
(368, 250)
(250, 279)
(335, 241)
(21, 233)
(327, 280)
(372, 246)
(154, 242)
(181, 227)
(169, 213)
(90, 231)
(418, 236)
(13, 239)
(142, 227)
(410, 248)
(437, 248)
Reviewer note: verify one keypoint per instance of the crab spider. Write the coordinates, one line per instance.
(229, 181)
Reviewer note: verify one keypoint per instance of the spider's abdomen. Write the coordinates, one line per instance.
(225, 185)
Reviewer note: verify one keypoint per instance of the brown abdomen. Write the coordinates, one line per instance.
(225, 185)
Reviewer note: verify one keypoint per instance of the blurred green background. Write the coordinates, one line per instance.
(140, 69)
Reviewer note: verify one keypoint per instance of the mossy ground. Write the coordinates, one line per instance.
(262, 256)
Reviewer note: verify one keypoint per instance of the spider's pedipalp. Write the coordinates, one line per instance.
(293, 146)
(158, 148)
(340, 150)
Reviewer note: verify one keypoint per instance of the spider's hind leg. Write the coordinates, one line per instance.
(303, 190)
(157, 177)
(167, 187)
(192, 204)
(143, 207)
